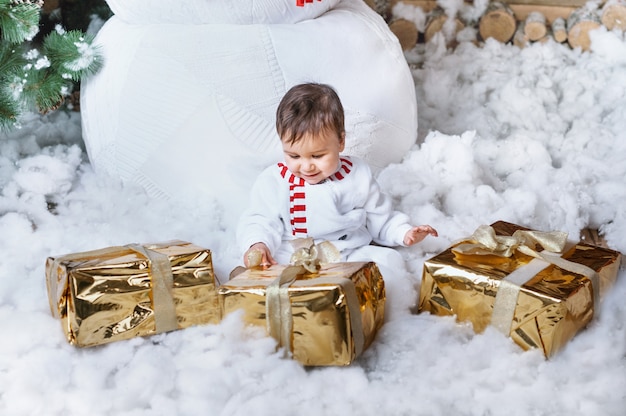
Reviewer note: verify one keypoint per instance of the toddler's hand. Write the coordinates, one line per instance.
(258, 255)
(417, 234)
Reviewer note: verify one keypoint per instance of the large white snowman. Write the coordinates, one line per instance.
(185, 103)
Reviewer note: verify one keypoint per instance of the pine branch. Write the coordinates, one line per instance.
(65, 57)
(72, 53)
(39, 79)
(18, 22)
(11, 65)
(45, 89)
(8, 111)
(10, 59)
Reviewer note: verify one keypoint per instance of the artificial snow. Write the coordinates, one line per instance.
(533, 136)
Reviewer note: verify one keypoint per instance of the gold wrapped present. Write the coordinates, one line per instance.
(117, 293)
(323, 317)
(535, 287)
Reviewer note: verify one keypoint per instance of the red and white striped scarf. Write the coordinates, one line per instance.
(297, 195)
(300, 3)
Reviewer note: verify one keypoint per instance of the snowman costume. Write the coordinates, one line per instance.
(189, 90)
(348, 209)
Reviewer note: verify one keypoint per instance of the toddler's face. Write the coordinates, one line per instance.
(315, 157)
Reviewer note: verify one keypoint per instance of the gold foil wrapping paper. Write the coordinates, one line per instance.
(336, 311)
(117, 293)
(551, 307)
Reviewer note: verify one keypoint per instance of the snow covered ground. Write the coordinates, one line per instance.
(534, 136)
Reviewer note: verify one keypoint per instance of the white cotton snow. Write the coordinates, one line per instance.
(533, 136)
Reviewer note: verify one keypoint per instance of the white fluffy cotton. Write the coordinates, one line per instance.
(533, 136)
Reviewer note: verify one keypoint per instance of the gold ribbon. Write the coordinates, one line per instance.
(161, 276)
(278, 306)
(485, 241)
(354, 308)
(307, 257)
(162, 285)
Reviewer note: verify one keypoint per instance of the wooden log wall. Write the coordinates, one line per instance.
(520, 22)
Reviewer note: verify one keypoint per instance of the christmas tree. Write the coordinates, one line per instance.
(37, 75)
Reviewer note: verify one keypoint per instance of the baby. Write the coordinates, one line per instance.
(319, 193)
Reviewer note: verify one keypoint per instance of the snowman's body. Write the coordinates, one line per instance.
(179, 106)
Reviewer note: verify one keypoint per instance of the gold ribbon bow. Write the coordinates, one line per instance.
(484, 241)
(310, 255)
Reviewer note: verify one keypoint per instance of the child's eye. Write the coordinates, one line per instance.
(294, 156)
(317, 156)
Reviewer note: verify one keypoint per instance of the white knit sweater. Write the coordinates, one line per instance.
(348, 209)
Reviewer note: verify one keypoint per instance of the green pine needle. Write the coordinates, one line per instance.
(45, 89)
(11, 59)
(72, 54)
(19, 22)
(11, 64)
(8, 111)
(39, 79)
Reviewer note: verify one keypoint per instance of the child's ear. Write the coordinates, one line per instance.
(342, 141)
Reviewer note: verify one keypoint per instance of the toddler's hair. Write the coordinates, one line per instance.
(309, 108)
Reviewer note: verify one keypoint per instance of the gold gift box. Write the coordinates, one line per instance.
(551, 307)
(336, 311)
(121, 292)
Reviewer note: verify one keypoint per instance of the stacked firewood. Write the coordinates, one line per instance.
(518, 23)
